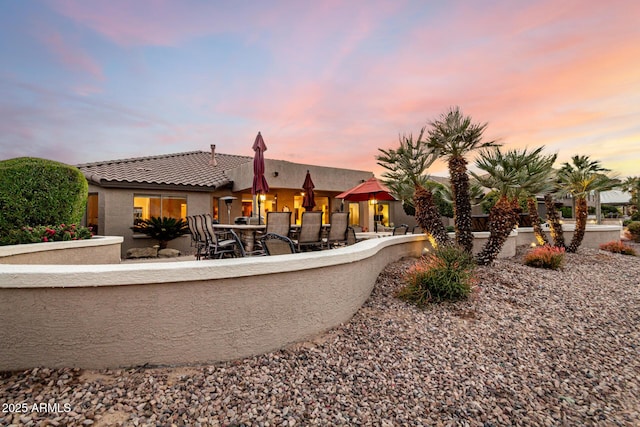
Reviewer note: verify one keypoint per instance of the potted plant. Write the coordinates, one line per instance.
(162, 229)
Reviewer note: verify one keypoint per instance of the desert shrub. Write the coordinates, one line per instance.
(633, 231)
(567, 211)
(162, 229)
(44, 233)
(635, 216)
(626, 222)
(448, 273)
(37, 192)
(546, 256)
(618, 247)
(609, 210)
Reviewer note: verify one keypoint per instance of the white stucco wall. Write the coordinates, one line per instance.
(97, 250)
(594, 235)
(180, 313)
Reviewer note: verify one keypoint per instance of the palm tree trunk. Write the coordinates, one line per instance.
(581, 224)
(503, 218)
(532, 207)
(554, 222)
(461, 202)
(428, 217)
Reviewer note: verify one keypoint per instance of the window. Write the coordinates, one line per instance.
(147, 205)
(354, 213)
(92, 212)
(322, 204)
(214, 209)
(382, 213)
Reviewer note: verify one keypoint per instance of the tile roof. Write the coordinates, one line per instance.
(191, 169)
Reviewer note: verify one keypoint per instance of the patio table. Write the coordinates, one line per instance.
(246, 232)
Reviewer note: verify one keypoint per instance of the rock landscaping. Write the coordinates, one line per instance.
(532, 347)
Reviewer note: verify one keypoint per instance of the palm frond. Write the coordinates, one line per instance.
(407, 162)
(455, 135)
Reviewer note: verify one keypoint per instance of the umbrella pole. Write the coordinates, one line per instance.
(259, 208)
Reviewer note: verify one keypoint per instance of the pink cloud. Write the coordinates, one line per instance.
(152, 22)
(71, 56)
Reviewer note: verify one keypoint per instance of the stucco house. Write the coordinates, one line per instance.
(181, 184)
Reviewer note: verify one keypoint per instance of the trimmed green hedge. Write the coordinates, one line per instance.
(37, 191)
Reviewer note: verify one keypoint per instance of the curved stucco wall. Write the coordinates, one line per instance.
(97, 250)
(100, 316)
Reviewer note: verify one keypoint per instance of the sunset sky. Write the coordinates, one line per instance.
(326, 82)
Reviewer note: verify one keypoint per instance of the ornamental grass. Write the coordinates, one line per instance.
(446, 274)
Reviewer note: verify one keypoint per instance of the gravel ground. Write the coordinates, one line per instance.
(533, 347)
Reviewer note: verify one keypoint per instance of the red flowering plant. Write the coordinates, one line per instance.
(618, 247)
(47, 233)
(550, 257)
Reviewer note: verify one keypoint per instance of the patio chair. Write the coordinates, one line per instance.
(416, 230)
(400, 229)
(222, 243)
(310, 230)
(338, 231)
(202, 237)
(198, 242)
(351, 236)
(278, 223)
(277, 244)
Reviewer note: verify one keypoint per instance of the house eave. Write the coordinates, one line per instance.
(158, 186)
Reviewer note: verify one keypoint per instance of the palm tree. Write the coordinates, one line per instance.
(406, 165)
(536, 178)
(453, 136)
(553, 218)
(162, 229)
(405, 190)
(503, 175)
(632, 185)
(476, 192)
(579, 178)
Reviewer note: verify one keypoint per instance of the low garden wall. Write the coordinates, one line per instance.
(115, 315)
(594, 235)
(480, 239)
(97, 250)
(98, 316)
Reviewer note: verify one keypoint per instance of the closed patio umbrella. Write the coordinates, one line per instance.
(260, 185)
(308, 202)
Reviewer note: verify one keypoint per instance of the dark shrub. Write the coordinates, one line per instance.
(567, 211)
(40, 192)
(633, 231)
(609, 211)
(162, 229)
